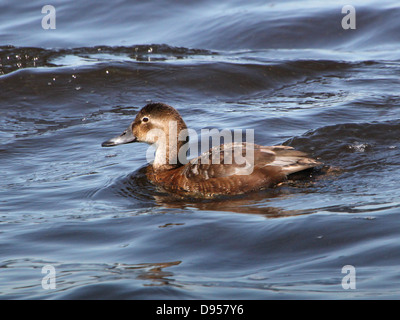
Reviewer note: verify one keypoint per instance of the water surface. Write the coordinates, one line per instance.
(286, 69)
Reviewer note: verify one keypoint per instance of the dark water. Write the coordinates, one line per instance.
(286, 69)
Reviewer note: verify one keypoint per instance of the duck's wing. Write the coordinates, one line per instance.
(243, 159)
(224, 161)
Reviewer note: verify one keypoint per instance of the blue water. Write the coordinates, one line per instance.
(286, 69)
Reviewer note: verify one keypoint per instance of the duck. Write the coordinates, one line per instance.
(228, 169)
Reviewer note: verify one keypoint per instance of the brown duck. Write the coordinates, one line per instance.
(228, 169)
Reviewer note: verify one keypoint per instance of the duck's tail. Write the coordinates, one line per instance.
(291, 160)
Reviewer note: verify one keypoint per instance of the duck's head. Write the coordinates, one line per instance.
(152, 121)
(158, 124)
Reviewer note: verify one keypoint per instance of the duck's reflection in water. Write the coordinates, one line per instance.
(254, 203)
(155, 273)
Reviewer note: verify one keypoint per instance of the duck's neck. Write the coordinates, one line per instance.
(170, 152)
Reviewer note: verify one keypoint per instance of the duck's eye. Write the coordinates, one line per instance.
(145, 119)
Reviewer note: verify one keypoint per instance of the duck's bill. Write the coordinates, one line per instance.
(126, 137)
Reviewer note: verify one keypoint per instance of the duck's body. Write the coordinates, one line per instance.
(240, 167)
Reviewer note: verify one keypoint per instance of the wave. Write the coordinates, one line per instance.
(355, 147)
(218, 26)
(162, 66)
